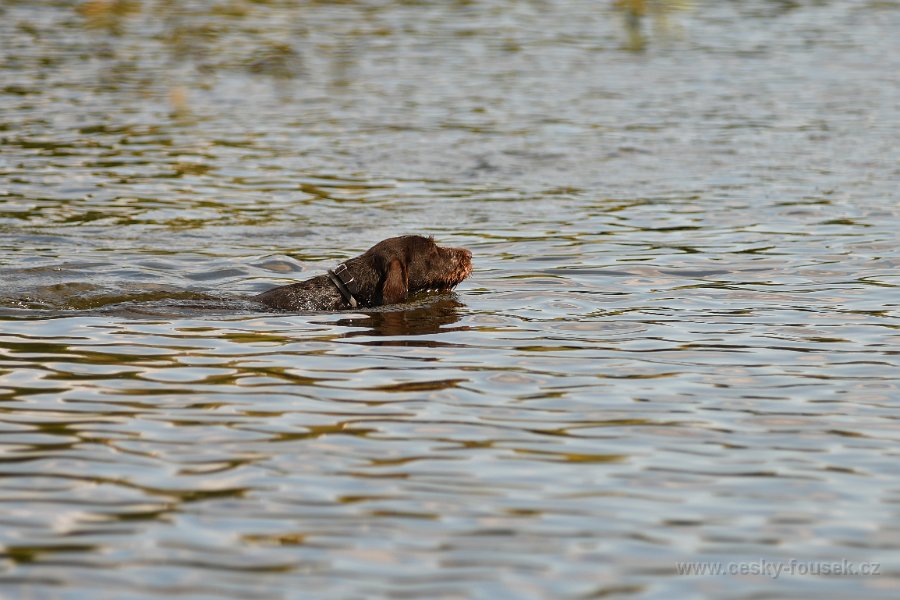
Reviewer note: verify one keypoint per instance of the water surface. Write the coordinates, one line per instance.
(679, 343)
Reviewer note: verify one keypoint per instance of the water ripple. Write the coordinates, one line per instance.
(678, 343)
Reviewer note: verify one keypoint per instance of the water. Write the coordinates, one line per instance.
(680, 341)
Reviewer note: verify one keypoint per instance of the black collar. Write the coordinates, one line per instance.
(346, 285)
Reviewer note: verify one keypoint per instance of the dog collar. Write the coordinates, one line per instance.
(346, 285)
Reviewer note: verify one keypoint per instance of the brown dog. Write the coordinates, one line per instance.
(389, 272)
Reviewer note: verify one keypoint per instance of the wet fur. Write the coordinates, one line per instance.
(389, 272)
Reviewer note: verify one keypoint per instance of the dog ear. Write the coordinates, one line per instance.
(396, 283)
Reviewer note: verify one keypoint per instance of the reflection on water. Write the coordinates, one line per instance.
(422, 318)
(679, 342)
(636, 12)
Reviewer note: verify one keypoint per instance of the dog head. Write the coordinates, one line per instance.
(413, 263)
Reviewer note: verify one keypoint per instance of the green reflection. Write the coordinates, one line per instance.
(34, 553)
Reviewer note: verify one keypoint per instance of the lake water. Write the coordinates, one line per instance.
(680, 342)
